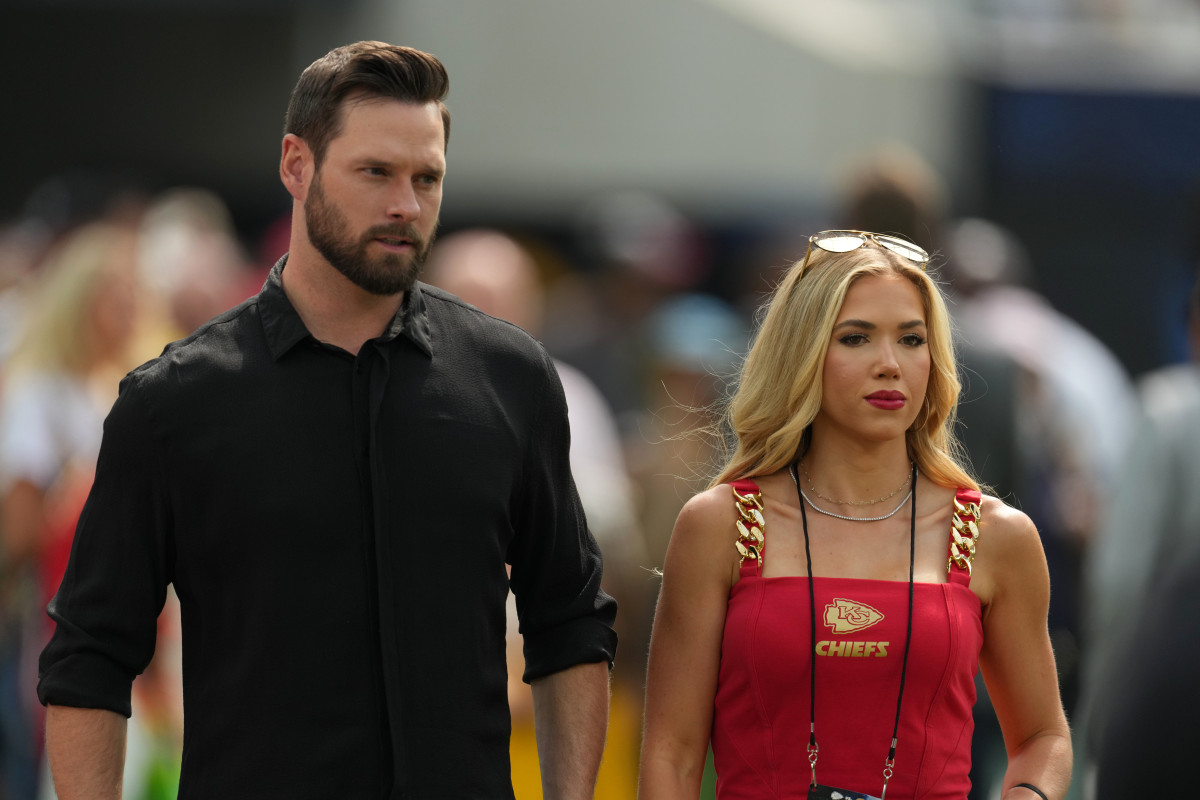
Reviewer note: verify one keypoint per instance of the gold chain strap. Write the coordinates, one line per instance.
(751, 526)
(964, 534)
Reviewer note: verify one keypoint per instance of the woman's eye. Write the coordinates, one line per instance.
(913, 340)
(853, 339)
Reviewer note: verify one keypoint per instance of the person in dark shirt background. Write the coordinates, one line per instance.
(336, 477)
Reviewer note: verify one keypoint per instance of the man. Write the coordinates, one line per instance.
(333, 475)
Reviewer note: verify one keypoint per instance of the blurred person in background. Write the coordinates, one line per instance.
(59, 205)
(850, 389)
(190, 257)
(1088, 393)
(1146, 743)
(637, 250)
(1143, 575)
(1077, 412)
(73, 346)
(333, 476)
(59, 381)
(498, 275)
(20, 254)
(696, 342)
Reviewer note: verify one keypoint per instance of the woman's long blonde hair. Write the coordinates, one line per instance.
(55, 333)
(779, 389)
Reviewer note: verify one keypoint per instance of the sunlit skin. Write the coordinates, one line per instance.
(875, 378)
(877, 367)
(374, 201)
(372, 208)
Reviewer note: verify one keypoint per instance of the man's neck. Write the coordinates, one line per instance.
(334, 310)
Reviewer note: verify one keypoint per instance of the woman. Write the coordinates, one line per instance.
(77, 338)
(59, 382)
(845, 469)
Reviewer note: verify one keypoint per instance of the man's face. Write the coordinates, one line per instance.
(372, 207)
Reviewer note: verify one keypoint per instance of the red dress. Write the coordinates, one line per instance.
(761, 721)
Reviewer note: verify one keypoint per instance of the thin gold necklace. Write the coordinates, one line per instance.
(813, 488)
(815, 507)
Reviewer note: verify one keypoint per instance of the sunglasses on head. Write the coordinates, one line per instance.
(847, 241)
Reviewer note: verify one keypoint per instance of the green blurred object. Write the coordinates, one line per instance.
(162, 778)
(708, 784)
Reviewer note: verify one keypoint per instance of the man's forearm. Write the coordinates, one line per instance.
(86, 750)
(570, 715)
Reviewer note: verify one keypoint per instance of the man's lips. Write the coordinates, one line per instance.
(395, 237)
(395, 242)
(889, 400)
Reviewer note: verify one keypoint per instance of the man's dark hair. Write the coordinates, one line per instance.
(363, 69)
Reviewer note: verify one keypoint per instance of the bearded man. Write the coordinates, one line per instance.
(337, 477)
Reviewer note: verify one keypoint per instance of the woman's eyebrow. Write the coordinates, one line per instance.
(870, 326)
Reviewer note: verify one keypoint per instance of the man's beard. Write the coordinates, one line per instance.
(387, 274)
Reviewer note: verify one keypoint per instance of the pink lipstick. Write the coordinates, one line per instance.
(888, 400)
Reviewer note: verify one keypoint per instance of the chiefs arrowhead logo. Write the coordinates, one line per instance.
(847, 616)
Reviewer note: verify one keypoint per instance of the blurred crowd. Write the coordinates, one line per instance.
(90, 286)
(648, 320)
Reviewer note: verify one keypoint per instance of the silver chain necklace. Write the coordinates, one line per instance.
(819, 510)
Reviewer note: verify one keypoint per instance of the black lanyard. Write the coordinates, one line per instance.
(812, 607)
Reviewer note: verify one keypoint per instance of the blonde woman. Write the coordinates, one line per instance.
(858, 683)
(58, 384)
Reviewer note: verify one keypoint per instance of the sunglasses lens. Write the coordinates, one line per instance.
(903, 249)
(839, 242)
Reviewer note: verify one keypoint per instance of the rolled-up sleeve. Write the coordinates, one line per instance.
(106, 608)
(565, 617)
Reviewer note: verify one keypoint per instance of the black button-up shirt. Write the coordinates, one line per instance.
(336, 528)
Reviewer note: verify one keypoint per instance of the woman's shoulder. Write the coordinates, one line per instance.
(996, 517)
(718, 505)
(713, 509)
(1009, 551)
(1011, 526)
(706, 532)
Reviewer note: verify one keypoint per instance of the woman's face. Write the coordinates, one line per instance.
(113, 312)
(877, 367)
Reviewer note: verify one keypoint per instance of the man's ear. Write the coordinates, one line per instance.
(296, 166)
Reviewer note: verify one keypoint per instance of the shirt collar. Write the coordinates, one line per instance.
(284, 328)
